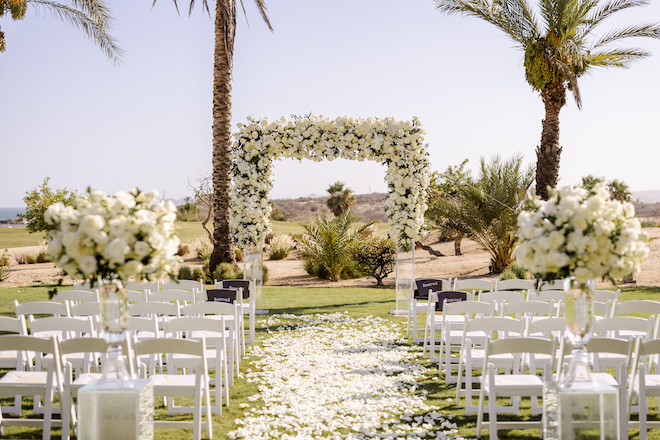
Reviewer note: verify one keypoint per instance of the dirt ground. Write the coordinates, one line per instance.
(289, 272)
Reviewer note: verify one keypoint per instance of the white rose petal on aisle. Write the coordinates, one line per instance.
(336, 377)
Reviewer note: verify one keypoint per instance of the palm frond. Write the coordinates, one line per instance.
(617, 57)
(606, 9)
(96, 30)
(650, 30)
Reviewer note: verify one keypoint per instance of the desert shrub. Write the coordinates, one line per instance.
(198, 274)
(374, 256)
(188, 212)
(269, 237)
(280, 246)
(278, 215)
(239, 254)
(38, 200)
(264, 274)
(31, 259)
(21, 257)
(514, 272)
(4, 259)
(185, 273)
(227, 271)
(182, 250)
(4, 273)
(204, 247)
(648, 224)
(42, 258)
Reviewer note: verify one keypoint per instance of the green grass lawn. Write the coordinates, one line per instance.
(358, 302)
(188, 232)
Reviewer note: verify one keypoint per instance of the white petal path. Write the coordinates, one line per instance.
(332, 376)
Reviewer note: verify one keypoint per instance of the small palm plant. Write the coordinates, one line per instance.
(486, 211)
(341, 199)
(326, 241)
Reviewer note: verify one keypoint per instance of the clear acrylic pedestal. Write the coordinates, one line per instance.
(405, 280)
(581, 414)
(125, 412)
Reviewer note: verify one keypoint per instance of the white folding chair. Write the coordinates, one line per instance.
(82, 285)
(644, 383)
(230, 296)
(606, 295)
(247, 301)
(136, 296)
(230, 314)
(180, 385)
(551, 285)
(88, 309)
(198, 285)
(471, 354)
(521, 285)
(518, 384)
(38, 383)
(14, 359)
(215, 333)
(532, 310)
(625, 327)
(547, 295)
(434, 322)
(29, 309)
(419, 296)
(454, 315)
(141, 328)
(178, 297)
(161, 310)
(500, 296)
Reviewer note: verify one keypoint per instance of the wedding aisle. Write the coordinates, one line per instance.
(333, 376)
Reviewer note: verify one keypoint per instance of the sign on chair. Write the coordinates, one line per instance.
(425, 286)
(221, 295)
(450, 297)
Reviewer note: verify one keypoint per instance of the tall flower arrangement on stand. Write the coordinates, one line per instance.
(580, 235)
(106, 240)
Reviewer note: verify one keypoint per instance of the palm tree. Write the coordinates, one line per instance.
(486, 211)
(90, 16)
(225, 34)
(619, 190)
(341, 199)
(588, 182)
(559, 48)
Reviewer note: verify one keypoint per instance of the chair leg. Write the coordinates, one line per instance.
(209, 417)
(66, 404)
(197, 411)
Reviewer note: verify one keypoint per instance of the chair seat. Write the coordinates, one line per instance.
(606, 378)
(517, 383)
(24, 378)
(164, 384)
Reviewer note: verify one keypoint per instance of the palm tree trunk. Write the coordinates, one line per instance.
(547, 154)
(223, 249)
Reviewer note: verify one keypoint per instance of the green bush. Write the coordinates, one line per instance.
(4, 273)
(198, 274)
(38, 200)
(277, 215)
(31, 259)
(4, 259)
(514, 272)
(204, 247)
(648, 224)
(239, 254)
(374, 256)
(280, 246)
(227, 271)
(350, 271)
(185, 273)
(264, 274)
(42, 258)
(182, 250)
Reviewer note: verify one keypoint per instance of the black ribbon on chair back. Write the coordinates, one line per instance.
(238, 284)
(228, 296)
(451, 296)
(424, 286)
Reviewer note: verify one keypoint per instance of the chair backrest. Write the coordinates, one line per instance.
(86, 309)
(425, 286)
(521, 309)
(185, 296)
(76, 296)
(603, 309)
(606, 295)
(244, 285)
(139, 285)
(522, 345)
(182, 285)
(471, 309)
(499, 296)
(190, 347)
(97, 347)
(504, 327)
(474, 284)
(41, 308)
(33, 344)
(636, 306)
(70, 327)
(136, 296)
(184, 326)
(551, 285)
(13, 325)
(143, 327)
(619, 325)
(209, 308)
(222, 295)
(153, 309)
(82, 285)
(547, 295)
(548, 327)
(515, 284)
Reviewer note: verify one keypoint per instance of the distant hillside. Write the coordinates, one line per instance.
(646, 196)
(369, 206)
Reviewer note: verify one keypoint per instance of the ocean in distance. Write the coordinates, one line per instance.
(10, 213)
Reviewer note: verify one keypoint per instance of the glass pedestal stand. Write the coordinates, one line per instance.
(114, 322)
(405, 279)
(253, 262)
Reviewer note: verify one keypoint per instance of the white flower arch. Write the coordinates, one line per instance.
(397, 144)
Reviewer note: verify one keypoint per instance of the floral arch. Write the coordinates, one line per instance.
(397, 144)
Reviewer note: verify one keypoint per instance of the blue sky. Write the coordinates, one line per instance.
(68, 113)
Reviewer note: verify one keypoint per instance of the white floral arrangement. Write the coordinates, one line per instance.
(397, 144)
(107, 238)
(582, 234)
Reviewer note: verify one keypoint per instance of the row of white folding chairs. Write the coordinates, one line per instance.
(58, 379)
(150, 285)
